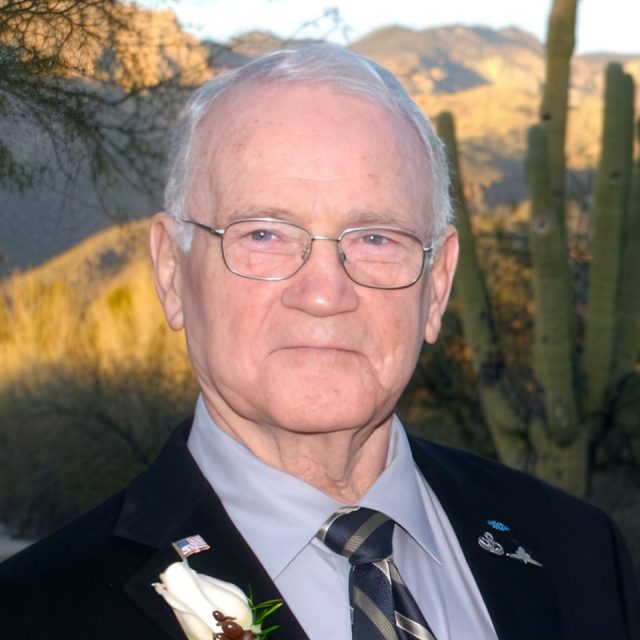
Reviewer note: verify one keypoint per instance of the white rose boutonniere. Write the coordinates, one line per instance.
(208, 608)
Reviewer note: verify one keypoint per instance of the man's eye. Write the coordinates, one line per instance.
(262, 236)
(376, 239)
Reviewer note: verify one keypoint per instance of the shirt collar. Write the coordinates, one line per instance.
(279, 514)
(397, 492)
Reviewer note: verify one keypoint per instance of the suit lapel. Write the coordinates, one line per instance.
(519, 597)
(173, 500)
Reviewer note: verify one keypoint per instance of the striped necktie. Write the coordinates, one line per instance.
(382, 608)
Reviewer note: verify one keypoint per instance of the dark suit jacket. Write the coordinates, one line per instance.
(92, 579)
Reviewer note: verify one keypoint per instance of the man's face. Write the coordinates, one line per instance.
(315, 352)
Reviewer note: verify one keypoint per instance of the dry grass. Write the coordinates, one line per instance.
(92, 376)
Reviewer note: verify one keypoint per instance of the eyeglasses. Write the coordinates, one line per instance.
(268, 249)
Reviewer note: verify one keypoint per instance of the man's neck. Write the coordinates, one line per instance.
(343, 464)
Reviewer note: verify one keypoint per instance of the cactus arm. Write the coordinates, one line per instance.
(553, 110)
(610, 202)
(506, 427)
(552, 346)
(628, 331)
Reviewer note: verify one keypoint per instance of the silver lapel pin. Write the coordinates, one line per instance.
(487, 542)
(523, 556)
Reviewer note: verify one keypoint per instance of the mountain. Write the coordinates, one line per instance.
(490, 80)
(453, 59)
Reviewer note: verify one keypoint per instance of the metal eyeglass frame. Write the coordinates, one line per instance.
(219, 233)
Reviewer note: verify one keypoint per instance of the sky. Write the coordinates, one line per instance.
(603, 25)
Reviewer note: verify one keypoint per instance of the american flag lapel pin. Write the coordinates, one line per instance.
(186, 547)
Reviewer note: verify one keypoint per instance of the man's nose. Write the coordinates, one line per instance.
(322, 286)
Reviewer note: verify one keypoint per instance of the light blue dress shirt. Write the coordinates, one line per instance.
(279, 516)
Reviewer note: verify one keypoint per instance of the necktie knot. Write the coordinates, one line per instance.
(362, 535)
(382, 608)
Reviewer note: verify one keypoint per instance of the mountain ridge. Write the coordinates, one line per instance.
(491, 80)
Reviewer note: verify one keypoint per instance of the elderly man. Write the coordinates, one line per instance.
(307, 252)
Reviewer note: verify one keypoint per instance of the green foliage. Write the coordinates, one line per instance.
(261, 612)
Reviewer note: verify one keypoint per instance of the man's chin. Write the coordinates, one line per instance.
(311, 426)
(313, 407)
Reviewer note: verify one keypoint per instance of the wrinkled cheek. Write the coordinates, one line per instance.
(200, 332)
(197, 356)
(396, 366)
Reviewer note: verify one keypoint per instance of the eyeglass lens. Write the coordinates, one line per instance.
(272, 249)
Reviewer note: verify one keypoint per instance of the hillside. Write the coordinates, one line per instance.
(490, 80)
(453, 59)
(91, 374)
(66, 202)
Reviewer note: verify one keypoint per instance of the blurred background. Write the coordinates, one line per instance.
(538, 362)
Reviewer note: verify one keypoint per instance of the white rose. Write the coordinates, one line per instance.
(194, 597)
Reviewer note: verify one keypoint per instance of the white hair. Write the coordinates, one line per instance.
(318, 63)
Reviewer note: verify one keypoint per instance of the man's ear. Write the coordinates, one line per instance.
(167, 274)
(441, 280)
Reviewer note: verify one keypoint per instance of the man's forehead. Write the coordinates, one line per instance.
(240, 113)
(264, 125)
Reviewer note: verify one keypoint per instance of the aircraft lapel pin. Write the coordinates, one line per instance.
(525, 557)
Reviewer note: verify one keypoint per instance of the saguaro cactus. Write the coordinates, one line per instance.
(553, 439)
